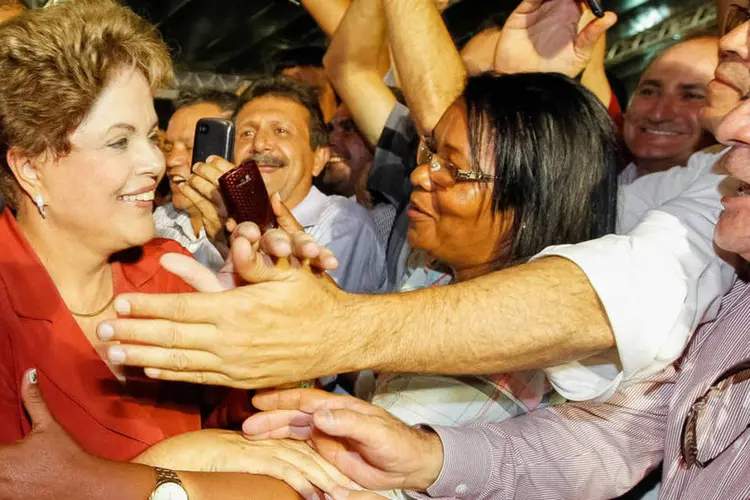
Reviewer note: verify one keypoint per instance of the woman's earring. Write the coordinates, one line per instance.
(40, 204)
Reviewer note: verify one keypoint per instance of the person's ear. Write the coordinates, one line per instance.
(322, 155)
(25, 170)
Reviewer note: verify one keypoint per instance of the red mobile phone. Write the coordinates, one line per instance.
(246, 197)
(596, 7)
(213, 137)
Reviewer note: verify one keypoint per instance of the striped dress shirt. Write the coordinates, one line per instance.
(600, 450)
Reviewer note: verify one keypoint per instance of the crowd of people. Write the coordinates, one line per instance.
(501, 284)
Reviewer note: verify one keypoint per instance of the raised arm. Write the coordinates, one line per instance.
(594, 76)
(353, 64)
(430, 68)
(327, 13)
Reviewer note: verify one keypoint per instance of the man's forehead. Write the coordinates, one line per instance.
(689, 63)
(274, 108)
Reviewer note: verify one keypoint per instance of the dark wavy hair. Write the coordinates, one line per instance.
(555, 151)
(286, 88)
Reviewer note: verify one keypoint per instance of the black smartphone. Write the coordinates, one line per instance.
(596, 7)
(213, 137)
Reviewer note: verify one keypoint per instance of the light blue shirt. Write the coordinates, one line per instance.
(347, 229)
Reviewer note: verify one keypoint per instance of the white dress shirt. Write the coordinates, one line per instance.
(657, 280)
(628, 175)
(175, 225)
(347, 229)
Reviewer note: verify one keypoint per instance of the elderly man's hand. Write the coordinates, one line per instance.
(547, 36)
(363, 441)
(248, 337)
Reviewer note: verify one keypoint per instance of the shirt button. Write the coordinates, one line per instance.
(461, 489)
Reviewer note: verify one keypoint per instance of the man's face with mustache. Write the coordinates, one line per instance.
(732, 79)
(275, 132)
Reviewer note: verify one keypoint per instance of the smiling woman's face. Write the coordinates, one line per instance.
(457, 224)
(102, 191)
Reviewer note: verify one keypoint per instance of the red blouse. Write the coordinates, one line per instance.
(107, 418)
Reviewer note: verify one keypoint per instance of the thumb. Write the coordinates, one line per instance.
(592, 32)
(251, 265)
(192, 272)
(33, 402)
(284, 216)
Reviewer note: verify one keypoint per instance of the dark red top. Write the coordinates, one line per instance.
(37, 330)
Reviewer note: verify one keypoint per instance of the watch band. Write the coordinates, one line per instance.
(166, 476)
(168, 486)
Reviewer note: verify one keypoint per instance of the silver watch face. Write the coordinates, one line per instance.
(169, 491)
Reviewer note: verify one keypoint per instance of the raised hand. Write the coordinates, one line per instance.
(547, 36)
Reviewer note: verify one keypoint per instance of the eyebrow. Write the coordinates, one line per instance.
(130, 128)
(692, 86)
(252, 121)
(653, 83)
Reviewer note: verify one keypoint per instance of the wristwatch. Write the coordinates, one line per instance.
(168, 486)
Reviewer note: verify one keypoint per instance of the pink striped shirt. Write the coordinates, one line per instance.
(601, 450)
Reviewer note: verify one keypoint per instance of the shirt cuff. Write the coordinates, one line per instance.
(467, 463)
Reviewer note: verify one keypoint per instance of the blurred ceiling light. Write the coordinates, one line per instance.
(650, 18)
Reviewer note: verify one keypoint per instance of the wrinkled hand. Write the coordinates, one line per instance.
(276, 250)
(47, 464)
(547, 36)
(249, 337)
(293, 462)
(363, 441)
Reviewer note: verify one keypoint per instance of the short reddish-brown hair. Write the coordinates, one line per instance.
(55, 62)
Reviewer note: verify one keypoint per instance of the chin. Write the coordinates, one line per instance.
(732, 235)
(138, 234)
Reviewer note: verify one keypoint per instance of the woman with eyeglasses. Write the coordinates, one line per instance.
(518, 163)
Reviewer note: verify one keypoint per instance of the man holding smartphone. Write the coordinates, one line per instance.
(279, 125)
(181, 220)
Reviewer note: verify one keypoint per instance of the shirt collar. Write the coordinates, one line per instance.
(181, 220)
(309, 211)
(34, 294)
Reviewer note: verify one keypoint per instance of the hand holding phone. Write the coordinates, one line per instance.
(246, 197)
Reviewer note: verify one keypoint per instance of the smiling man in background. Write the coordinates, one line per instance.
(181, 220)
(662, 126)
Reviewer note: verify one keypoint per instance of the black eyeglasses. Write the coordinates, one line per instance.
(736, 375)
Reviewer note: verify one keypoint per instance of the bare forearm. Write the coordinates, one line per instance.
(327, 13)
(594, 76)
(531, 316)
(430, 68)
(126, 481)
(353, 63)
(235, 486)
